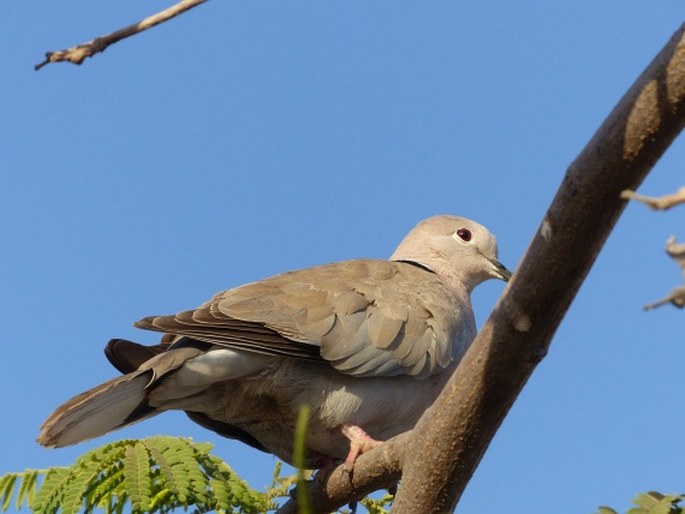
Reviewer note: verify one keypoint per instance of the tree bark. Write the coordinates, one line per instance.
(453, 435)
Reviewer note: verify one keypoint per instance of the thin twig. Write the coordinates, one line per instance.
(676, 297)
(77, 54)
(676, 251)
(658, 203)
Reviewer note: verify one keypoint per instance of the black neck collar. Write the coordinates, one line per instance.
(417, 264)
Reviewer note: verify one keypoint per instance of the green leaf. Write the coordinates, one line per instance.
(7, 489)
(378, 506)
(652, 503)
(49, 497)
(27, 482)
(27, 491)
(137, 476)
(154, 445)
(75, 487)
(154, 475)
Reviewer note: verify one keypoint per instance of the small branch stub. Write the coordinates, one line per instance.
(675, 250)
(76, 54)
(657, 203)
(677, 296)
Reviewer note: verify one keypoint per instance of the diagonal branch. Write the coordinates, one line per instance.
(439, 456)
(453, 435)
(77, 54)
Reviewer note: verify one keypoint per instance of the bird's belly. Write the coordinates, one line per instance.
(266, 405)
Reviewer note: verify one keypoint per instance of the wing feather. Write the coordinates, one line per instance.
(365, 317)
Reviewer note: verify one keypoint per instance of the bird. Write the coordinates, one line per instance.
(367, 344)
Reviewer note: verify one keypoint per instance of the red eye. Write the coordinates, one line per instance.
(464, 234)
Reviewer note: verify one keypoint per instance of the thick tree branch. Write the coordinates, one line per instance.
(77, 54)
(376, 469)
(453, 435)
(439, 456)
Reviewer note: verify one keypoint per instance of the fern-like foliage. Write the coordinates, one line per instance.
(653, 503)
(378, 505)
(154, 475)
(28, 485)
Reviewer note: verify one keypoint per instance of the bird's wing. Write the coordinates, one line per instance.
(127, 356)
(365, 317)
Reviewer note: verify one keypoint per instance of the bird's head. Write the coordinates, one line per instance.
(460, 250)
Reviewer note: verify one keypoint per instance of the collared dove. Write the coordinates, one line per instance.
(367, 344)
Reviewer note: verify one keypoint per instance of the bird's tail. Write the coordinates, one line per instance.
(114, 404)
(123, 400)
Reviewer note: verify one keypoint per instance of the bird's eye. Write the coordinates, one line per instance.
(464, 234)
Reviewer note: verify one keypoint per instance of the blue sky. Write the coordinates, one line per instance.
(248, 138)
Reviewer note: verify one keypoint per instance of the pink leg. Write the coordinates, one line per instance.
(360, 442)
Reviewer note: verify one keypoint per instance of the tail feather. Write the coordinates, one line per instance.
(120, 401)
(104, 408)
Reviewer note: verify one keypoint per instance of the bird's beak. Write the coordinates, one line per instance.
(501, 271)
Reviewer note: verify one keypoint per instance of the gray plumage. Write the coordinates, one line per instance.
(366, 343)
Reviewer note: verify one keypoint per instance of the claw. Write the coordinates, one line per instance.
(360, 442)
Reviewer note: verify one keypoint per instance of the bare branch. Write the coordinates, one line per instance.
(677, 252)
(677, 296)
(77, 54)
(373, 470)
(657, 203)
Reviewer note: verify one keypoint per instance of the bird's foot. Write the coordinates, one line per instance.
(324, 472)
(360, 442)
